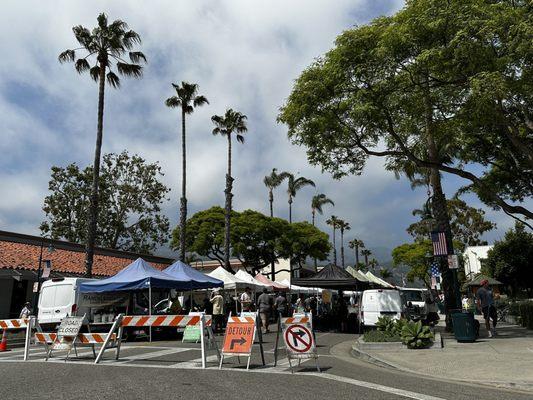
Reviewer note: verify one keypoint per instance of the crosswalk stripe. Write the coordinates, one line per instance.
(153, 354)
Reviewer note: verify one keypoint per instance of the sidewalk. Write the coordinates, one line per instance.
(504, 361)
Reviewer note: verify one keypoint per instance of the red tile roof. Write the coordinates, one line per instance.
(22, 252)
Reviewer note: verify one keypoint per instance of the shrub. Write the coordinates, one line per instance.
(416, 336)
(525, 313)
(380, 336)
(386, 324)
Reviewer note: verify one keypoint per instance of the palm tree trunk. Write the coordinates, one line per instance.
(342, 248)
(334, 248)
(290, 209)
(366, 261)
(357, 257)
(183, 202)
(313, 219)
(271, 201)
(93, 208)
(227, 219)
(440, 214)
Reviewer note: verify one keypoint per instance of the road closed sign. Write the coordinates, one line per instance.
(239, 336)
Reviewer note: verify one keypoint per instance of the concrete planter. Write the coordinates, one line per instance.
(363, 346)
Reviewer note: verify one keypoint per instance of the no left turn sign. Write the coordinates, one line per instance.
(298, 338)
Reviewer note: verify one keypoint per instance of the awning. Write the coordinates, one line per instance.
(185, 273)
(230, 280)
(277, 286)
(330, 277)
(138, 275)
(245, 276)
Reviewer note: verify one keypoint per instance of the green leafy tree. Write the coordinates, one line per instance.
(467, 223)
(356, 244)
(385, 273)
(301, 241)
(294, 185)
(412, 88)
(107, 44)
(206, 234)
(231, 123)
(510, 260)
(130, 196)
(186, 99)
(416, 257)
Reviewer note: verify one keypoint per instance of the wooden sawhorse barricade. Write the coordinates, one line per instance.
(176, 321)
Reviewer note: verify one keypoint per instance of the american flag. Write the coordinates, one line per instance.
(434, 268)
(439, 243)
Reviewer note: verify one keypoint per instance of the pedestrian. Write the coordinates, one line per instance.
(218, 309)
(264, 304)
(281, 305)
(26, 310)
(300, 304)
(246, 299)
(485, 304)
(342, 312)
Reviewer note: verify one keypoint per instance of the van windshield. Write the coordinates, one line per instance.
(412, 295)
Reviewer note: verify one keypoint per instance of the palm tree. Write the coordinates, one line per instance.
(333, 221)
(187, 99)
(107, 44)
(294, 185)
(317, 202)
(343, 226)
(366, 253)
(373, 263)
(356, 244)
(385, 273)
(272, 181)
(233, 122)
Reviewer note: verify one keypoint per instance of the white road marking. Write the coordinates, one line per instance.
(152, 354)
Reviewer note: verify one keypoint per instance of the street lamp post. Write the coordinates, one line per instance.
(40, 272)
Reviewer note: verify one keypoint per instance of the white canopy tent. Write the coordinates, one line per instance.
(379, 281)
(299, 289)
(252, 282)
(357, 274)
(231, 282)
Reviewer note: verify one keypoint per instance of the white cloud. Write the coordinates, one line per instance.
(243, 54)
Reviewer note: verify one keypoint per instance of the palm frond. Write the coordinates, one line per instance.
(82, 65)
(173, 102)
(137, 56)
(67, 56)
(132, 70)
(84, 37)
(200, 101)
(113, 79)
(130, 38)
(240, 138)
(102, 21)
(95, 73)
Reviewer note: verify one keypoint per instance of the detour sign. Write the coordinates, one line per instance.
(239, 337)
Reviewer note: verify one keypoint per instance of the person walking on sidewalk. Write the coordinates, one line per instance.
(26, 311)
(264, 304)
(281, 305)
(485, 304)
(218, 309)
(246, 300)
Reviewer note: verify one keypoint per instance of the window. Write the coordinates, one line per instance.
(63, 295)
(47, 296)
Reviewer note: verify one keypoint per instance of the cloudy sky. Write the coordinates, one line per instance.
(243, 54)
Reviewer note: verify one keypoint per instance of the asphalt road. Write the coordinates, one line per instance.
(163, 370)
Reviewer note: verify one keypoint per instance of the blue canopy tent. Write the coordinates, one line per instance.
(138, 275)
(198, 280)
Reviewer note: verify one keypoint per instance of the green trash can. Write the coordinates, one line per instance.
(464, 327)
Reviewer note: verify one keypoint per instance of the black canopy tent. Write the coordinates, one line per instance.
(331, 277)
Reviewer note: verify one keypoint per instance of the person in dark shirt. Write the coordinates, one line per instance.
(264, 304)
(485, 304)
(281, 305)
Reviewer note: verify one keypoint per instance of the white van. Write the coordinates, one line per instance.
(377, 303)
(414, 300)
(59, 298)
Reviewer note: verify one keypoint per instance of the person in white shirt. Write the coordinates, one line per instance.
(26, 311)
(246, 299)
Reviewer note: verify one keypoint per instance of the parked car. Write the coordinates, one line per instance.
(376, 303)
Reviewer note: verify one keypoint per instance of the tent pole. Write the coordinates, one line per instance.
(150, 309)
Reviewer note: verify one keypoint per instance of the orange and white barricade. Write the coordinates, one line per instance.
(240, 337)
(28, 324)
(177, 321)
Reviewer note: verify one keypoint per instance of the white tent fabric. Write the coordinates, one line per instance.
(245, 276)
(357, 274)
(379, 281)
(230, 280)
(299, 289)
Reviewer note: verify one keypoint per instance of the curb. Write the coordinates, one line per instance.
(363, 356)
